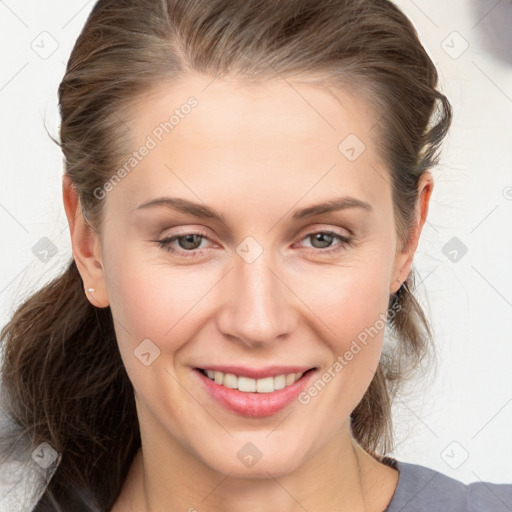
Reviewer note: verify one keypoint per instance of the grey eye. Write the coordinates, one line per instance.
(192, 241)
(324, 239)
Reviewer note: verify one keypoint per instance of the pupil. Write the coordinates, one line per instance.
(321, 238)
(190, 241)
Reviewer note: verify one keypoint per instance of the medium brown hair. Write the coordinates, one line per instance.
(63, 376)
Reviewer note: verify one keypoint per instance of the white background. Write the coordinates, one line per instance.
(465, 410)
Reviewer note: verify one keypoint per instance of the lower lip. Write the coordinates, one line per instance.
(255, 405)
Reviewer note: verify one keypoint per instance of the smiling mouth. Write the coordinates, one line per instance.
(249, 385)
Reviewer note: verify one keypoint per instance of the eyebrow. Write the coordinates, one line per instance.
(203, 211)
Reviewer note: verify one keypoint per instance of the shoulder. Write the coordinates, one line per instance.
(25, 469)
(422, 489)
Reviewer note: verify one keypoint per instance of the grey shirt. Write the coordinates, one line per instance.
(24, 476)
(421, 489)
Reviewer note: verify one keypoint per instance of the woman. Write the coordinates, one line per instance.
(245, 185)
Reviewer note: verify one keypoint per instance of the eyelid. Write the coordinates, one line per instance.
(317, 228)
(165, 242)
(310, 230)
(344, 241)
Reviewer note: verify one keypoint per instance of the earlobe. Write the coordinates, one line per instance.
(86, 247)
(426, 186)
(404, 258)
(402, 269)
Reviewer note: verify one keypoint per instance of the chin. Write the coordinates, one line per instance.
(249, 461)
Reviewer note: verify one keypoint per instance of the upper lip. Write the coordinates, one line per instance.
(257, 373)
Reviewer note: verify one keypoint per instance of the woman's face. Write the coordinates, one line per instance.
(264, 283)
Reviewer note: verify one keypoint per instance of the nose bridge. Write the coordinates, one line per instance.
(257, 311)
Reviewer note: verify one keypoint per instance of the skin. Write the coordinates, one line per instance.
(256, 153)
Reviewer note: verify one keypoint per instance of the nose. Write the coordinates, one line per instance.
(258, 307)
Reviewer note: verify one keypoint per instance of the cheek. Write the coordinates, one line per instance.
(349, 297)
(350, 303)
(357, 323)
(150, 299)
(149, 305)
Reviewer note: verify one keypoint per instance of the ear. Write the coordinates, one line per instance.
(86, 247)
(405, 255)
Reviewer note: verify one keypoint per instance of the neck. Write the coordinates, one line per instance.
(341, 477)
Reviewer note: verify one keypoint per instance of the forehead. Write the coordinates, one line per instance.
(253, 139)
(226, 106)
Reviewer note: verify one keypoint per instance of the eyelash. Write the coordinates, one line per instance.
(165, 243)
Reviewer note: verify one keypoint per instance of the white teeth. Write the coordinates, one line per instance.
(230, 380)
(289, 379)
(248, 385)
(265, 385)
(279, 382)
